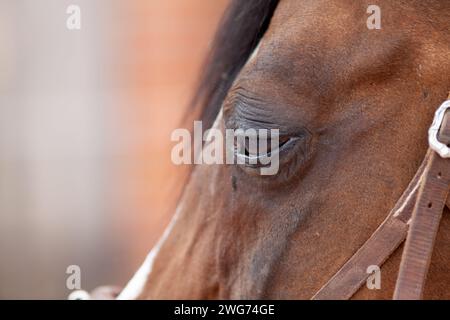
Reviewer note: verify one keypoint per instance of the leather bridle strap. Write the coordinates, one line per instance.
(422, 232)
(383, 242)
(429, 185)
(425, 222)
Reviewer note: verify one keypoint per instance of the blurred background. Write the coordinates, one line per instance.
(85, 120)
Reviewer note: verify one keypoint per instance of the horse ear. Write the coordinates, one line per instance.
(242, 26)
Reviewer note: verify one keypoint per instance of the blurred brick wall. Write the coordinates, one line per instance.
(162, 55)
(85, 122)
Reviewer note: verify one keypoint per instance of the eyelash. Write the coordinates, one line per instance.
(253, 160)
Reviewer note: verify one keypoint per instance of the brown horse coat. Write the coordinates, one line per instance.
(362, 101)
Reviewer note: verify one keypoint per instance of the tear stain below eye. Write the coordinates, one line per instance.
(234, 183)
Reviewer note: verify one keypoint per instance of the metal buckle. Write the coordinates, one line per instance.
(442, 149)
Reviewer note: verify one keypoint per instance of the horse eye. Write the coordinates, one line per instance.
(252, 151)
(266, 149)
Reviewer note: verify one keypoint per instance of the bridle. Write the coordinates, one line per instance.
(415, 217)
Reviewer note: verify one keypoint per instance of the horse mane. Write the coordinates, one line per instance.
(242, 26)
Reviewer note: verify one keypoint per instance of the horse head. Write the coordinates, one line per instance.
(352, 105)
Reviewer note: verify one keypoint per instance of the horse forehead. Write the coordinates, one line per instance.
(298, 50)
(319, 18)
(317, 49)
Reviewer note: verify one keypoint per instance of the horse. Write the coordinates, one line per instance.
(352, 105)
